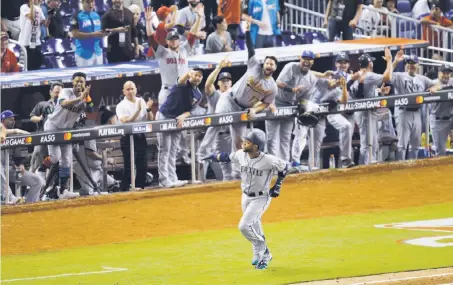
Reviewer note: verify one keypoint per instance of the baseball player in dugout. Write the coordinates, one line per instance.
(181, 102)
(409, 119)
(71, 102)
(17, 173)
(212, 140)
(363, 84)
(257, 170)
(441, 114)
(133, 109)
(39, 116)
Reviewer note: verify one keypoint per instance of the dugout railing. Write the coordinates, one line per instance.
(194, 123)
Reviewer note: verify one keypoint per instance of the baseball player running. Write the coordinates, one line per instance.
(39, 116)
(363, 85)
(71, 102)
(441, 114)
(25, 178)
(223, 139)
(408, 119)
(257, 169)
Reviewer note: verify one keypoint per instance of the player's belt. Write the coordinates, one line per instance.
(237, 102)
(254, 194)
(446, 118)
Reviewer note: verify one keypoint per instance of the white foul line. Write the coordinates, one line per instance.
(402, 279)
(106, 270)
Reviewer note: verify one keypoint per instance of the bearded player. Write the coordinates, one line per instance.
(257, 169)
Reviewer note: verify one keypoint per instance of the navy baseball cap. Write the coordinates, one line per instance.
(365, 58)
(342, 57)
(309, 54)
(446, 67)
(225, 75)
(413, 58)
(258, 137)
(7, 114)
(172, 35)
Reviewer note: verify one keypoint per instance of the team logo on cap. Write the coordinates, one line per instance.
(67, 136)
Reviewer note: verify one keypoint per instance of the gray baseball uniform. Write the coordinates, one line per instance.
(279, 131)
(441, 121)
(256, 176)
(408, 119)
(63, 118)
(368, 118)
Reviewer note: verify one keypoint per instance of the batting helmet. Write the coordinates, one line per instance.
(258, 137)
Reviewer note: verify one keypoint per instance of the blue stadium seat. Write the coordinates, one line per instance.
(101, 6)
(314, 38)
(404, 6)
(406, 29)
(50, 61)
(449, 14)
(289, 39)
(240, 43)
(66, 60)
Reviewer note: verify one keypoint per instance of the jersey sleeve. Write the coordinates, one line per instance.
(286, 74)
(374, 79)
(278, 164)
(120, 111)
(64, 95)
(396, 77)
(234, 156)
(74, 23)
(37, 110)
(428, 82)
(161, 52)
(253, 64)
(270, 98)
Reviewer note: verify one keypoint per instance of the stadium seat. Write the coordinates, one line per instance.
(50, 61)
(289, 39)
(449, 14)
(101, 6)
(404, 7)
(314, 38)
(406, 29)
(68, 7)
(240, 43)
(66, 60)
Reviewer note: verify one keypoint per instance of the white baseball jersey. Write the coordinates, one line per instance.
(256, 173)
(64, 118)
(292, 76)
(407, 84)
(254, 87)
(173, 64)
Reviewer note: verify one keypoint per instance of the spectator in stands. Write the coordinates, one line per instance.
(220, 40)
(420, 9)
(133, 109)
(187, 17)
(373, 22)
(51, 12)
(140, 30)
(123, 42)
(342, 17)
(267, 13)
(10, 13)
(391, 6)
(31, 19)
(436, 18)
(39, 116)
(9, 60)
(86, 30)
(231, 11)
(139, 3)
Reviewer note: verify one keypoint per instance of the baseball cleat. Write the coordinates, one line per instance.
(267, 257)
(347, 163)
(179, 183)
(68, 195)
(255, 259)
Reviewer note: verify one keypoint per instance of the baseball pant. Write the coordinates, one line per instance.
(39, 153)
(279, 137)
(346, 129)
(141, 161)
(94, 60)
(409, 129)
(250, 225)
(367, 144)
(299, 142)
(319, 132)
(28, 179)
(440, 130)
(168, 143)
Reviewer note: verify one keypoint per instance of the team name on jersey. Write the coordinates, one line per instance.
(251, 170)
(172, 60)
(258, 86)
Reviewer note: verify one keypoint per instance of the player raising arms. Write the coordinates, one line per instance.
(257, 170)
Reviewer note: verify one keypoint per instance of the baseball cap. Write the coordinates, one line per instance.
(342, 57)
(365, 58)
(446, 67)
(413, 58)
(309, 54)
(225, 75)
(163, 12)
(5, 35)
(171, 35)
(7, 114)
(258, 137)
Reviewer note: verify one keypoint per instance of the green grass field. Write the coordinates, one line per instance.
(303, 250)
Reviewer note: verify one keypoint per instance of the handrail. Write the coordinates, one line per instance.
(79, 135)
(303, 10)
